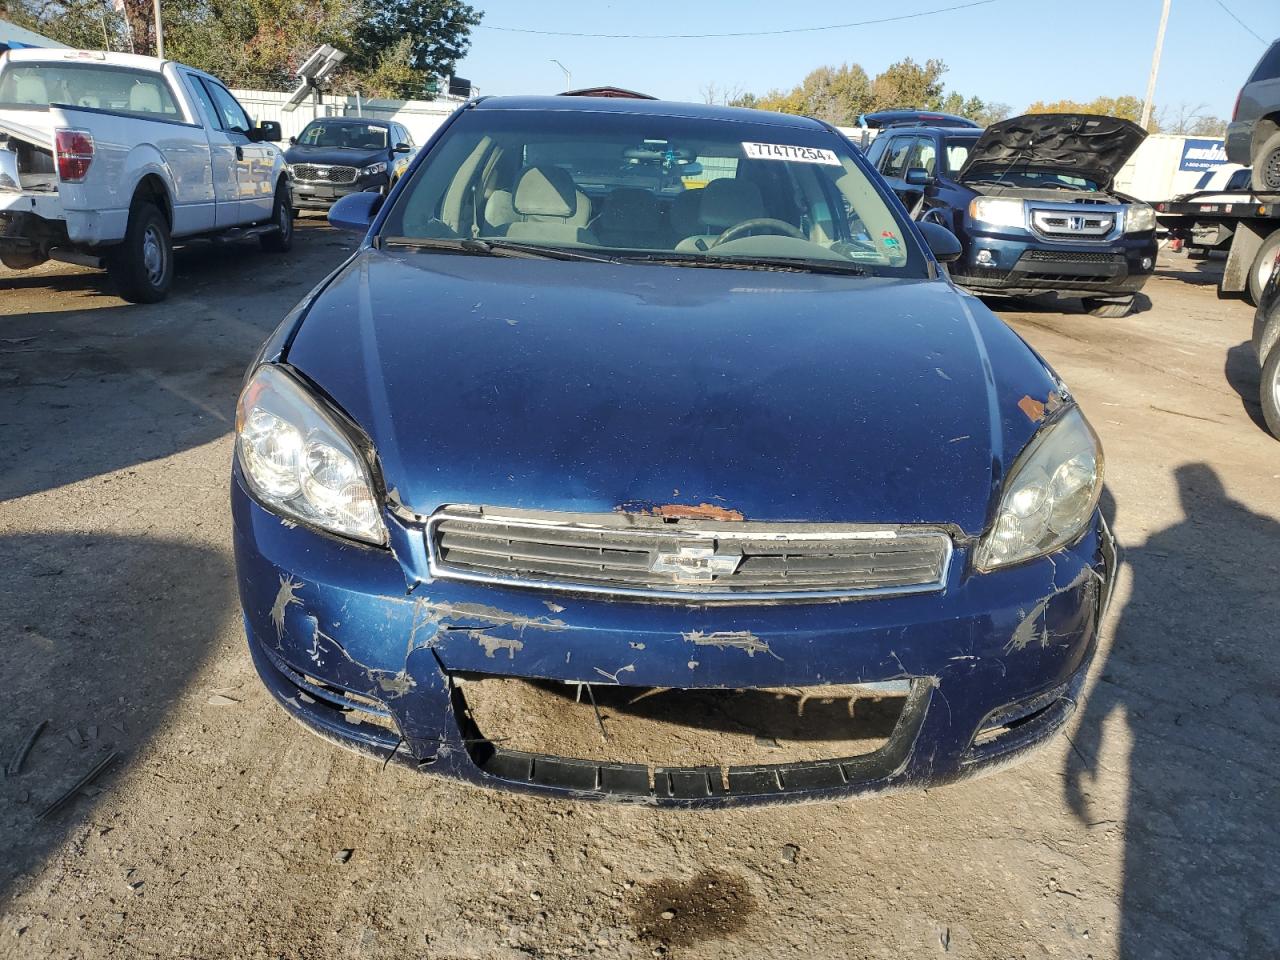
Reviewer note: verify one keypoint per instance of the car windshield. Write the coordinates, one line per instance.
(363, 136)
(1036, 178)
(697, 191)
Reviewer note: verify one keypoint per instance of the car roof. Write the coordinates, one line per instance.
(362, 121)
(53, 55)
(650, 108)
(968, 133)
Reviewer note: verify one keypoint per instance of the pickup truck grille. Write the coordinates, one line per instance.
(320, 173)
(655, 557)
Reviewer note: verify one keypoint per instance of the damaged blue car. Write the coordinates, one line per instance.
(645, 452)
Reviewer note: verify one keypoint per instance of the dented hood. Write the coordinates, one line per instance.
(596, 387)
(1078, 144)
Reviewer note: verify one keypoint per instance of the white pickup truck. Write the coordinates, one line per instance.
(107, 158)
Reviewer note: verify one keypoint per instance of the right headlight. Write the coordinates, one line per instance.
(998, 211)
(1049, 496)
(301, 462)
(1139, 218)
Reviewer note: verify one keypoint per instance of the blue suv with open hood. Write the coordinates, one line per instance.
(644, 451)
(1033, 203)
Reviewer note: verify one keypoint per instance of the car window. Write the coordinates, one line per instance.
(1268, 67)
(35, 86)
(924, 154)
(894, 161)
(206, 102)
(957, 153)
(1240, 180)
(699, 188)
(231, 115)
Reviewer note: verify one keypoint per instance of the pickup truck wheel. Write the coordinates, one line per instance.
(1109, 306)
(1266, 166)
(141, 267)
(280, 240)
(1270, 392)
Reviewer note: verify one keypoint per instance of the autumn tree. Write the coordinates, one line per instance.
(1124, 107)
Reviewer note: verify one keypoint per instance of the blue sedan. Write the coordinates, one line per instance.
(644, 451)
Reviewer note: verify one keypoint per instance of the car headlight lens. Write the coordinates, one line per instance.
(300, 461)
(1049, 496)
(998, 211)
(373, 169)
(1139, 217)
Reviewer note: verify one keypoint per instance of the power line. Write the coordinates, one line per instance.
(1239, 21)
(745, 33)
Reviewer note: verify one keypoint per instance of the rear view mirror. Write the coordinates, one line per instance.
(267, 131)
(355, 211)
(918, 177)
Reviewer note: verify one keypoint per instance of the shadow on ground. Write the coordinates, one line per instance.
(1193, 674)
(102, 636)
(105, 385)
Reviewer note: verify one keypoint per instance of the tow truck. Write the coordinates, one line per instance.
(1245, 224)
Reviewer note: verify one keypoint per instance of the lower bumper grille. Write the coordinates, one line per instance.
(657, 557)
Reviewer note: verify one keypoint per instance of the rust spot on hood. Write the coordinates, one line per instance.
(682, 511)
(1037, 411)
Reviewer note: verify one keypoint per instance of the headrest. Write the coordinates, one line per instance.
(498, 209)
(684, 213)
(144, 98)
(727, 201)
(545, 191)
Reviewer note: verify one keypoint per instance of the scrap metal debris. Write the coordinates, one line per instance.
(80, 784)
(20, 755)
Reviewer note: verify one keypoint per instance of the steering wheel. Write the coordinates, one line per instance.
(758, 223)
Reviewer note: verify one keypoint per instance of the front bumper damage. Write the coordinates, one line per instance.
(990, 667)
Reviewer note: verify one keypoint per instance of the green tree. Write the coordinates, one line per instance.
(907, 84)
(438, 31)
(1124, 107)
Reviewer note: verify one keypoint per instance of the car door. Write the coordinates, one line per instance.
(222, 156)
(254, 162)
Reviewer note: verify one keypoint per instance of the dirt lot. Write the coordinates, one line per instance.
(224, 830)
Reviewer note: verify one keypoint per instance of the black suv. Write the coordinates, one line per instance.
(1031, 201)
(335, 156)
(1253, 136)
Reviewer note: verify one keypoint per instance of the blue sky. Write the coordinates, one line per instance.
(1011, 51)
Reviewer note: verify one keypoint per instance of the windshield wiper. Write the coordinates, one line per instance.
(779, 264)
(491, 248)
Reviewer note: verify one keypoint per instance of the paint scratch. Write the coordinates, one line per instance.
(743, 640)
(285, 596)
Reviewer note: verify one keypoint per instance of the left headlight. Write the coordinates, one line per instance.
(373, 169)
(1049, 496)
(301, 462)
(1139, 217)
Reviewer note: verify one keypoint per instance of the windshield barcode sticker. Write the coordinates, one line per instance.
(784, 151)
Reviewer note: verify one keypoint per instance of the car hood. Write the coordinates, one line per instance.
(334, 156)
(1080, 144)
(597, 387)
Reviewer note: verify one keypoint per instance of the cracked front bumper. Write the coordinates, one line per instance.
(993, 663)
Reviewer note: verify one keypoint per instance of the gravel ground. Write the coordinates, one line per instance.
(224, 830)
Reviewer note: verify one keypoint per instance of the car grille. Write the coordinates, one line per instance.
(1071, 256)
(319, 173)
(1075, 225)
(659, 557)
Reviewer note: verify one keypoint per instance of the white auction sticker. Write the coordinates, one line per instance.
(785, 151)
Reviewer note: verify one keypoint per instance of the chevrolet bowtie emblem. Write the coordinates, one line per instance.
(695, 564)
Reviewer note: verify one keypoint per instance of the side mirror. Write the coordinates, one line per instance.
(403, 148)
(355, 211)
(268, 131)
(293, 141)
(942, 242)
(918, 177)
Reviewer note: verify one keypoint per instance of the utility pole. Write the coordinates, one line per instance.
(568, 77)
(1155, 66)
(159, 30)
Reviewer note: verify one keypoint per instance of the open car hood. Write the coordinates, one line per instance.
(1078, 144)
